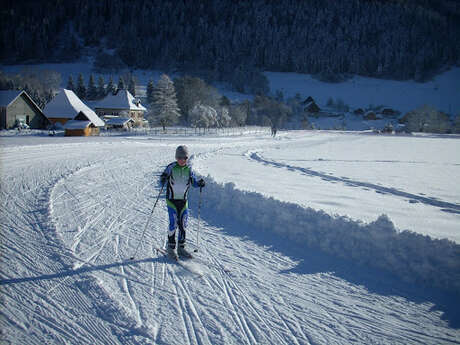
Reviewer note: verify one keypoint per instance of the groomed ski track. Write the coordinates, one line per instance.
(73, 213)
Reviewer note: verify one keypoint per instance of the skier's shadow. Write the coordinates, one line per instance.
(312, 261)
(87, 268)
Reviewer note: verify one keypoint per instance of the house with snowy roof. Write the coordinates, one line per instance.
(121, 104)
(83, 124)
(17, 109)
(66, 106)
(117, 122)
(75, 116)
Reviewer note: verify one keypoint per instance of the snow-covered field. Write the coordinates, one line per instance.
(302, 241)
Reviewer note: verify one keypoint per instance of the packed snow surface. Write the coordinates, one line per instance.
(308, 238)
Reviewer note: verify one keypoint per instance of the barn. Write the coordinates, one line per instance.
(17, 109)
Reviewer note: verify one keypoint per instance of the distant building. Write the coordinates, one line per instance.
(17, 109)
(358, 111)
(66, 106)
(370, 115)
(308, 100)
(389, 112)
(122, 104)
(117, 122)
(311, 107)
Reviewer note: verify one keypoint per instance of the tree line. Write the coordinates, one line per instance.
(398, 39)
(190, 101)
(99, 89)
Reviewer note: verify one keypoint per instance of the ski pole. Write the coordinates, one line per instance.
(148, 221)
(198, 230)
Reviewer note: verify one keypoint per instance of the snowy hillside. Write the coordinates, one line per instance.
(301, 241)
(359, 92)
(442, 93)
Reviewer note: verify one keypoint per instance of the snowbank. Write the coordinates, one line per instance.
(413, 257)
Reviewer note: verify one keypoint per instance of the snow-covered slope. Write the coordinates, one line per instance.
(73, 212)
(441, 93)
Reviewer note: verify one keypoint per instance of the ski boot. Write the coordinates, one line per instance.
(183, 253)
(171, 246)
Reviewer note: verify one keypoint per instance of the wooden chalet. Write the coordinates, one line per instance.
(83, 125)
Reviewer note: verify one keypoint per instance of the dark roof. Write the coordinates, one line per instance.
(308, 100)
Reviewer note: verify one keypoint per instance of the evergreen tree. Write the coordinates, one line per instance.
(121, 84)
(400, 39)
(132, 86)
(224, 101)
(165, 110)
(70, 84)
(100, 87)
(110, 90)
(150, 90)
(81, 88)
(92, 89)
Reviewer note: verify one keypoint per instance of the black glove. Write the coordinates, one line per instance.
(163, 178)
(201, 183)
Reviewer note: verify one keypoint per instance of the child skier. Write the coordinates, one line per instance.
(179, 177)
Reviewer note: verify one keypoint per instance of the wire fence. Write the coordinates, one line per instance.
(187, 131)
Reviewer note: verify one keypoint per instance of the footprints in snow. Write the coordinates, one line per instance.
(378, 188)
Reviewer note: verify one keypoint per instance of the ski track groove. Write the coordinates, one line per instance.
(233, 302)
(180, 308)
(126, 287)
(226, 278)
(179, 284)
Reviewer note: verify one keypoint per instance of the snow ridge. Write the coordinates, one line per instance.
(412, 257)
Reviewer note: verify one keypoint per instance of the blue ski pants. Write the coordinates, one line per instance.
(178, 217)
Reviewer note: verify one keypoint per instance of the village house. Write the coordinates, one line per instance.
(308, 100)
(116, 122)
(370, 115)
(310, 106)
(68, 111)
(66, 106)
(17, 109)
(358, 111)
(388, 112)
(121, 104)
